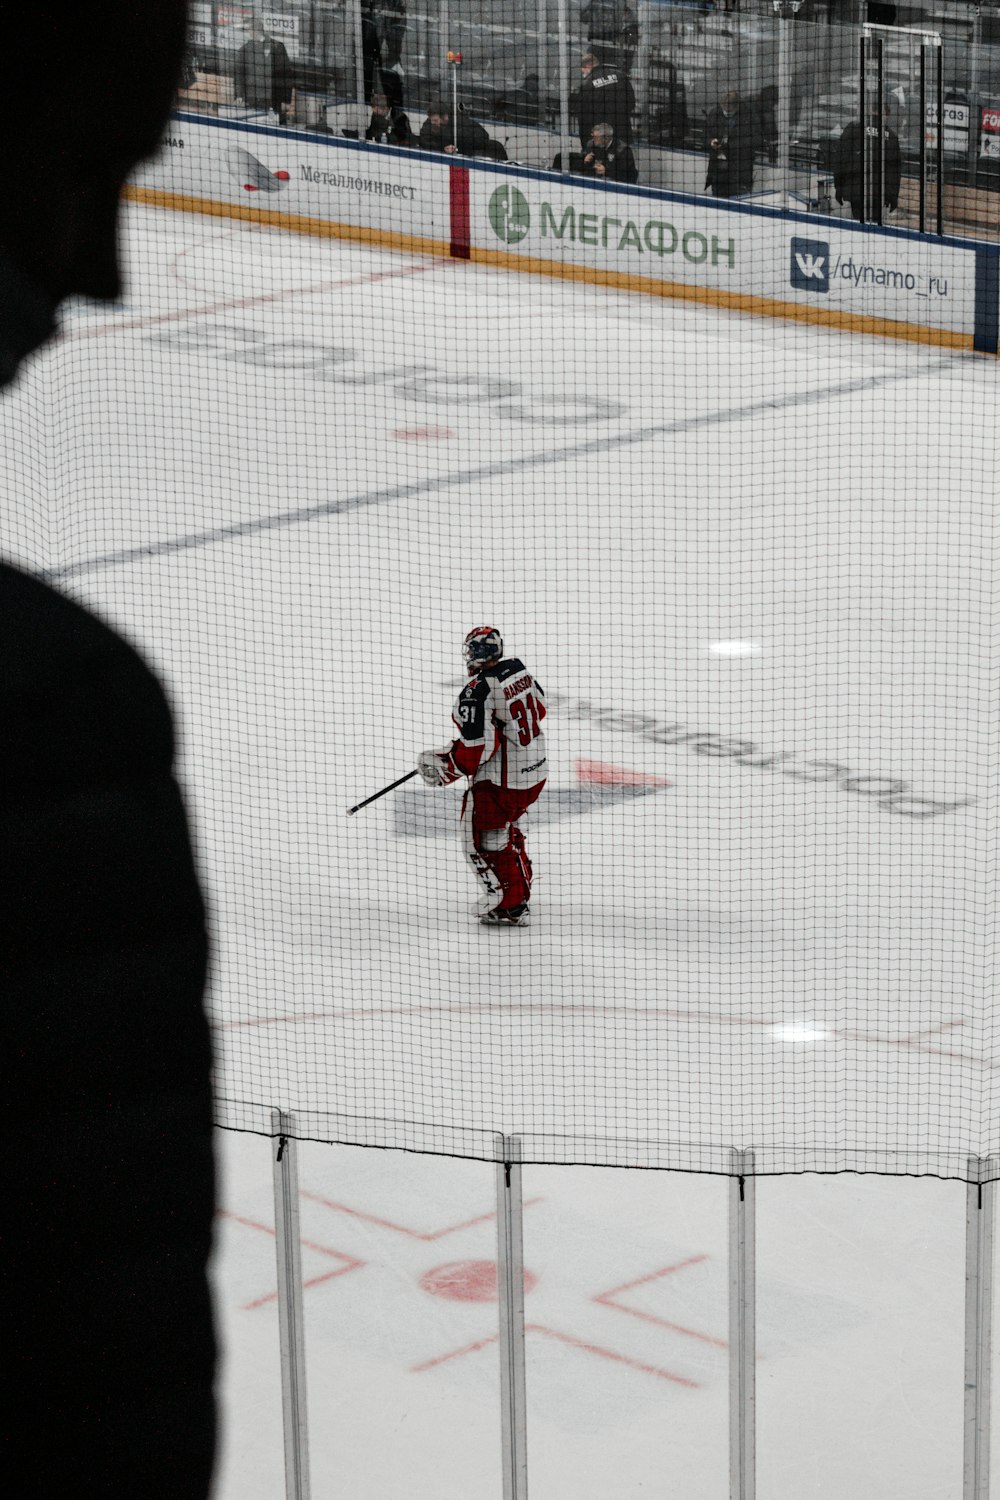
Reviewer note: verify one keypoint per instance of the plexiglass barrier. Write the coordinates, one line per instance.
(776, 92)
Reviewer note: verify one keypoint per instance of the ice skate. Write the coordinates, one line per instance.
(515, 916)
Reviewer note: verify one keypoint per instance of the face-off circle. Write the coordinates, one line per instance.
(467, 1281)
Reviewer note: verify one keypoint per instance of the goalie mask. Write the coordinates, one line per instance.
(482, 646)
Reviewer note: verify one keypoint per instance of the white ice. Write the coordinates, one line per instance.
(745, 957)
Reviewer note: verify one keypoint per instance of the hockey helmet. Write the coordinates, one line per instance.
(482, 646)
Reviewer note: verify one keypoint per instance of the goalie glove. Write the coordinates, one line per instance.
(437, 767)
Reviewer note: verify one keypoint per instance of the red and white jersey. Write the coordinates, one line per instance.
(499, 716)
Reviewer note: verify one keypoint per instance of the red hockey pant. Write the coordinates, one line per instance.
(494, 841)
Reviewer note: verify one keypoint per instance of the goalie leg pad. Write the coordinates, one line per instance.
(495, 842)
(480, 861)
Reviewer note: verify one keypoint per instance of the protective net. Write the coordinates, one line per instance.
(360, 398)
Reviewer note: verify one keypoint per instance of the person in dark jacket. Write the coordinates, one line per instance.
(605, 95)
(767, 121)
(389, 125)
(109, 1350)
(262, 78)
(371, 45)
(466, 136)
(608, 158)
(392, 29)
(730, 131)
(849, 171)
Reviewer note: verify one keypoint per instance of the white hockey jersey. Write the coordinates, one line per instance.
(499, 716)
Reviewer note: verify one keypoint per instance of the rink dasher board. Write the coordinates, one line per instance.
(731, 255)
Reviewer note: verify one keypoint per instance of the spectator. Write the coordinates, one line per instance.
(109, 1195)
(605, 95)
(371, 46)
(767, 120)
(263, 75)
(613, 31)
(393, 13)
(466, 137)
(608, 158)
(849, 174)
(389, 126)
(730, 130)
(189, 72)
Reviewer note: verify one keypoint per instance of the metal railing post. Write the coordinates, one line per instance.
(979, 1225)
(290, 1321)
(563, 22)
(742, 1328)
(359, 67)
(510, 1286)
(784, 109)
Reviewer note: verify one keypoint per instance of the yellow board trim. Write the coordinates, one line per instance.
(742, 302)
(386, 239)
(623, 281)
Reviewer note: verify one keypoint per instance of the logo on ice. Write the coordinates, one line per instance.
(810, 265)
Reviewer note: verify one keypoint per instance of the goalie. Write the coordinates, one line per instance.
(501, 748)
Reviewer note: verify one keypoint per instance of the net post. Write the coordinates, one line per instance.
(291, 1327)
(742, 1327)
(980, 1217)
(510, 1287)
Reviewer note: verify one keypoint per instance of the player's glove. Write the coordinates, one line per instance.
(437, 767)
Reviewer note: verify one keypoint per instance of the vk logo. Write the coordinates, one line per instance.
(811, 265)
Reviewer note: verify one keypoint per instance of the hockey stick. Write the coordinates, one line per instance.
(376, 795)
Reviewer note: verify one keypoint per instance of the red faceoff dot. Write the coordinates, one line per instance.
(423, 434)
(467, 1281)
(282, 176)
(250, 187)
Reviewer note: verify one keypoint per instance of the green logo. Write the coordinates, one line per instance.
(510, 215)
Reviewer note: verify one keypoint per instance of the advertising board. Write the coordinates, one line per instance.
(752, 259)
(299, 181)
(989, 132)
(831, 267)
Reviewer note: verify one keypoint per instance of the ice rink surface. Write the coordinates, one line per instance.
(295, 472)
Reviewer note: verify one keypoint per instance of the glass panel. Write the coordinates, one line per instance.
(399, 1260)
(860, 1337)
(250, 1458)
(626, 1313)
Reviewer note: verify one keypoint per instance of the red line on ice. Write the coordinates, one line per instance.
(605, 1299)
(416, 1234)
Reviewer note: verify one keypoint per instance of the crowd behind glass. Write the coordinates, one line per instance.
(679, 94)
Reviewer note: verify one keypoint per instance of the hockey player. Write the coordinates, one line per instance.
(501, 748)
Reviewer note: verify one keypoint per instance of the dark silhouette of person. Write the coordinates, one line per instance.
(393, 30)
(730, 131)
(109, 1349)
(767, 120)
(867, 200)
